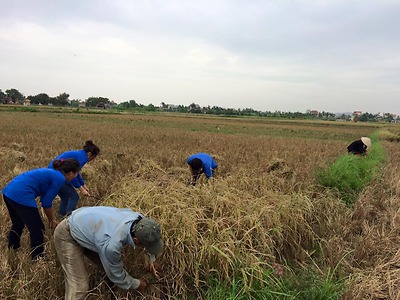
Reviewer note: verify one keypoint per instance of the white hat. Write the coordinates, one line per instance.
(366, 141)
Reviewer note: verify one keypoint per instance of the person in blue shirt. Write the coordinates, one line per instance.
(101, 234)
(68, 195)
(201, 163)
(20, 198)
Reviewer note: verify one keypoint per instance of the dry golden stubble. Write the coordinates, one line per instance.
(243, 222)
(216, 229)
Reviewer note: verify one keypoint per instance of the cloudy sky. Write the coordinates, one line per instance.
(288, 55)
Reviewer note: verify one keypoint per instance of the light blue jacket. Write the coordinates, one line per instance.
(106, 230)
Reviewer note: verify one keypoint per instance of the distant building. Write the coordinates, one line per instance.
(111, 104)
(312, 112)
(169, 107)
(27, 102)
(356, 114)
(389, 115)
(6, 100)
(101, 105)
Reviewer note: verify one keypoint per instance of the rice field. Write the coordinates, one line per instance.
(264, 208)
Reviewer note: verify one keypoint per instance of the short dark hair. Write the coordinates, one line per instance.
(91, 147)
(196, 164)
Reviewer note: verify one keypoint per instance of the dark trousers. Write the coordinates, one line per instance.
(22, 215)
(69, 199)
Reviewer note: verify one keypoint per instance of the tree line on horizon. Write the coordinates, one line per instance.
(13, 96)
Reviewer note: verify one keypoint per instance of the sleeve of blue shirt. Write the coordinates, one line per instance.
(208, 165)
(51, 193)
(108, 239)
(78, 181)
(110, 257)
(213, 164)
(207, 171)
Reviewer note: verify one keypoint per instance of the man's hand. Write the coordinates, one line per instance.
(53, 224)
(142, 285)
(155, 268)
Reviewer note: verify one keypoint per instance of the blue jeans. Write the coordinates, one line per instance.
(69, 199)
(21, 216)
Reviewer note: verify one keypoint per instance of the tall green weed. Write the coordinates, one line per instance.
(351, 173)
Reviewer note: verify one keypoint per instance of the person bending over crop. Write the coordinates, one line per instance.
(101, 233)
(201, 163)
(359, 147)
(68, 195)
(20, 198)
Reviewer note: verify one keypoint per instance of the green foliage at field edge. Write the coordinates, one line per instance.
(299, 285)
(351, 173)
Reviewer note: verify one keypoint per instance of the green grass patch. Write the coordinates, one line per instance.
(351, 173)
(281, 284)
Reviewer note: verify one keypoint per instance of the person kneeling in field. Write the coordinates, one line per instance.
(359, 147)
(101, 233)
(20, 198)
(201, 163)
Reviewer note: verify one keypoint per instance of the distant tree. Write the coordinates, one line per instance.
(3, 98)
(133, 104)
(345, 117)
(247, 112)
(151, 107)
(367, 117)
(123, 105)
(96, 101)
(194, 108)
(216, 110)
(15, 95)
(42, 98)
(128, 105)
(61, 100)
(182, 108)
(74, 103)
(388, 117)
(52, 101)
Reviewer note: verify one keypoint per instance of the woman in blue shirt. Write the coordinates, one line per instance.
(68, 195)
(201, 163)
(20, 198)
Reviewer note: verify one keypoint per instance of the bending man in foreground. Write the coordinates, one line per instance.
(101, 233)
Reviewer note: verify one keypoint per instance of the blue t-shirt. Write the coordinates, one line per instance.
(208, 163)
(43, 183)
(82, 157)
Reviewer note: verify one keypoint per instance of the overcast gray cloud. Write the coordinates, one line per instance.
(268, 55)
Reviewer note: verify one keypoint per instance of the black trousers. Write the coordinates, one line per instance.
(22, 216)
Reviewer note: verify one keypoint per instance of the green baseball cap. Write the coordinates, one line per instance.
(148, 233)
